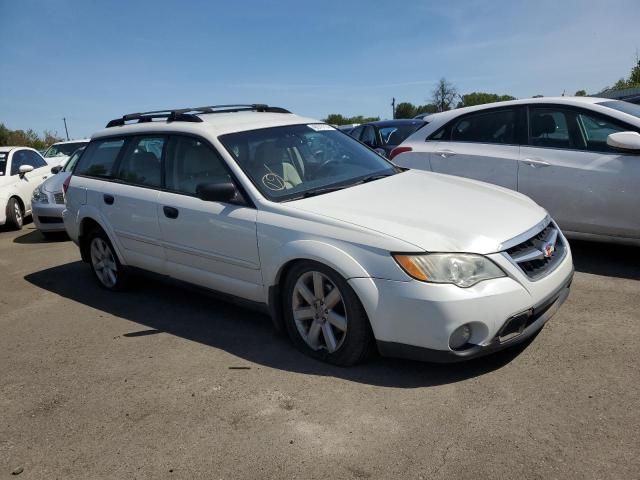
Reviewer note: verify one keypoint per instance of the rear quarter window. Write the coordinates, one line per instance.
(99, 158)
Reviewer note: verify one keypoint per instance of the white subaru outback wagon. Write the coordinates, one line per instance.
(347, 251)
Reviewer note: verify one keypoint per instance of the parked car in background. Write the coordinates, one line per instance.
(58, 153)
(347, 128)
(47, 202)
(577, 157)
(345, 249)
(22, 169)
(384, 135)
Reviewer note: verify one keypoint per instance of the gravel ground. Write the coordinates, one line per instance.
(167, 382)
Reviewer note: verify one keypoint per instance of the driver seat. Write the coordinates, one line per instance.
(272, 158)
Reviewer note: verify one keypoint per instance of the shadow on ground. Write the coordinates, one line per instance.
(607, 259)
(162, 306)
(34, 236)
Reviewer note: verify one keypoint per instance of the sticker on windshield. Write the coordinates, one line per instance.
(320, 127)
(273, 182)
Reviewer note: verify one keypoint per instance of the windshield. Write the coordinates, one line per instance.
(63, 149)
(397, 134)
(73, 159)
(3, 162)
(297, 161)
(625, 107)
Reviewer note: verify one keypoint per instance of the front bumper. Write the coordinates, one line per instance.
(413, 319)
(48, 216)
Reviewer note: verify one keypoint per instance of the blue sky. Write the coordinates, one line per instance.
(95, 60)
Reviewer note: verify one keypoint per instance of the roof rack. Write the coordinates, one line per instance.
(191, 114)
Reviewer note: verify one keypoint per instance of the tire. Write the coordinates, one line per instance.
(332, 327)
(15, 215)
(104, 262)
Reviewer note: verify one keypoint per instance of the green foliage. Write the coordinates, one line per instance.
(338, 119)
(480, 98)
(581, 93)
(27, 138)
(632, 82)
(405, 110)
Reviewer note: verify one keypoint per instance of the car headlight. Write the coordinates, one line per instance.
(39, 196)
(461, 269)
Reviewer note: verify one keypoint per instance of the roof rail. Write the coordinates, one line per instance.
(191, 114)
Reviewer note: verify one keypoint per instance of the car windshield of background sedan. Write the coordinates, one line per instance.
(3, 163)
(625, 107)
(397, 134)
(62, 149)
(299, 161)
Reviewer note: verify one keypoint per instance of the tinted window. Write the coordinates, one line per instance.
(191, 162)
(397, 134)
(99, 158)
(35, 160)
(356, 132)
(491, 127)
(20, 158)
(141, 162)
(3, 162)
(73, 159)
(595, 129)
(369, 136)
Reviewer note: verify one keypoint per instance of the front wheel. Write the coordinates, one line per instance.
(324, 317)
(104, 262)
(15, 216)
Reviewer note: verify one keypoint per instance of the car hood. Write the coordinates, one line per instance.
(54, 183)
(431, 211)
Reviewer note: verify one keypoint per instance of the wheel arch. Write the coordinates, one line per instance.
(85, 226)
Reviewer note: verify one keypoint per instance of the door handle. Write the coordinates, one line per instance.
(536, 163)
(170, 212)
(445, 153)
(108, 199)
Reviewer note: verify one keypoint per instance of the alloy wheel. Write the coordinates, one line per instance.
(319, 312)
(104, 263)
(17, 213)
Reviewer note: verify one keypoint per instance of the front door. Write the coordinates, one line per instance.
(26, 183)
(212, 244)
(482, 146)
(569, 169)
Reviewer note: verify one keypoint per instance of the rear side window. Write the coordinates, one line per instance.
(490, 127)
(141, 162)
(99, 158)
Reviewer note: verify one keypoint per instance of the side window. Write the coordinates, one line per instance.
(3, 162)
(141, 163)
(19, 158)
(595, 129)
(490, 127)
(369, 136)
(356, 132)
(553, 128)
(99, 158)
(190, 162)
(35, 160)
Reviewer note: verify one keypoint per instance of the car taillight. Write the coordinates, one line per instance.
(65, 185)
(398, 150)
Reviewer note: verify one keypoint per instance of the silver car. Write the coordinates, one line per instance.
(47, 202)
(578, 157)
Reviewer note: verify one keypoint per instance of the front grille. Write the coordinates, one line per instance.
(540, 254)
(49, 219)
(59, 197)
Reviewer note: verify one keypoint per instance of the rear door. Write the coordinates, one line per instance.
(568, 168)
(481, 145)
(212, 244)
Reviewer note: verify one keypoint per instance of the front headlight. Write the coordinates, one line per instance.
(39, 196)
(461, 269)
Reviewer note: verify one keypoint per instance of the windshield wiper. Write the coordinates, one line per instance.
(320, 191)
(375, 176)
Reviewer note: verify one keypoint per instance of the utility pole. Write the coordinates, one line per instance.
(393, 108)
(64, 119)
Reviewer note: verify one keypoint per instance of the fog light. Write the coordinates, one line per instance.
(459, 337)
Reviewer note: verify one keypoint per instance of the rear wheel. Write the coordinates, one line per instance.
(15, 215)
(104, 262)
(324, 317)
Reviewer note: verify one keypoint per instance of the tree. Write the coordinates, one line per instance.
(444, 95)
(338, 119)
(581, 93)
(405, 110)
(427, 108)
(480, 98)
(27, 138)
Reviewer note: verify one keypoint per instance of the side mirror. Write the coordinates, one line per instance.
(216, 192)
(624, 140)
(24, 169)
(56, 169)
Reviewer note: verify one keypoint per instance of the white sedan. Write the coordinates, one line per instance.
(345, 250)
(578, 157)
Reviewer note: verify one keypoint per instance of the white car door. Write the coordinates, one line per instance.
(213, 244)
(26, 183)
(569, 169)
(481, 145)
